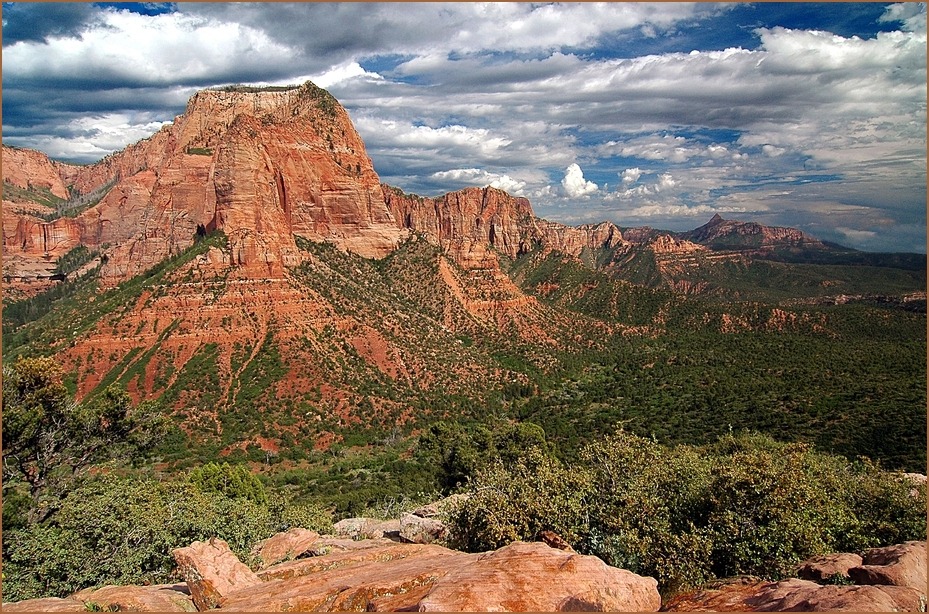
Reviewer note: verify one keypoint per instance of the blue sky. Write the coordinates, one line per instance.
(660, 114)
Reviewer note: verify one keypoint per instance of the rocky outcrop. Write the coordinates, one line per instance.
(325, 573)
(795, 595)
(418, 577)
(261, 165)
(379, 575)
(890, 579)
(532, 577)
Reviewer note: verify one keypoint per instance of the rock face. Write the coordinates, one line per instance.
(27, 169)
(468, 223)
(260, 165)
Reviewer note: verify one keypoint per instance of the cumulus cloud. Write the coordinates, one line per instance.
(479, 177)
(631, 175)
(911, 14)
(574, 183)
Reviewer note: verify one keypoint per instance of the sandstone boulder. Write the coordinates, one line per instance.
(828, 567)
(898, 565)
(419, 530)
(288, 545)
(212, 571)
(534, 577)
(366, 528)
(158, 598)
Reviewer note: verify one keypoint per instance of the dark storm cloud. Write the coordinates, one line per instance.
(36, 21)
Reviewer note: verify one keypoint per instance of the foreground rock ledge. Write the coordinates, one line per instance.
(426, 578)
(328, 573)
(381, 575)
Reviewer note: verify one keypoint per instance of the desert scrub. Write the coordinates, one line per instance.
(746, 504)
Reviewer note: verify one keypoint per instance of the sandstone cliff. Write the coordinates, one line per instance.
(260, 165)
(26, 168)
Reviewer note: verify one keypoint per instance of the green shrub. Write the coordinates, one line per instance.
(651, 508)
(519, 500)
(746, 504)
(233, 482)
(114, 530)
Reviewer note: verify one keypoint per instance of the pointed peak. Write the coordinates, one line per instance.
(716, 219)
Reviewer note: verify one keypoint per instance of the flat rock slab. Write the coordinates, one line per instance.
(427, 577)
(288, 545)
(156, 598)
(372, 579)
(48, 604)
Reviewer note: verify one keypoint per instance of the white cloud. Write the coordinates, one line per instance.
(137, 48)
(771, 151)
(631, 175)
(665, 181)
(475, 176)
(574, 183)
(911, 14)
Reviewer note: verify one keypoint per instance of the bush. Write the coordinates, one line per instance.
(233, 482)
(684, 515)
(651, 508)
(518, 501)
(114, 530)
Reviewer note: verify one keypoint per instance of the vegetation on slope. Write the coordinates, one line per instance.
(528, 425)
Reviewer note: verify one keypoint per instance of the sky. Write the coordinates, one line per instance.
(645, 114)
